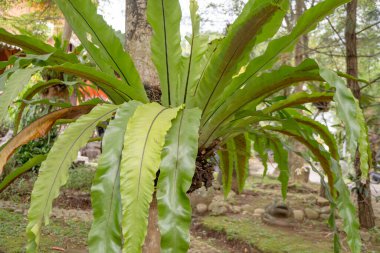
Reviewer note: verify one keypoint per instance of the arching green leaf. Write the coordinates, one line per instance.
(176, 173)
(16, 173)
(235, 48)
(323, 132)
(281, 158)
(141, 157)
(28, 95)
(261, 145)
(227, 157)
(347, 210)
(164, 17)
(243, 153)
(35, 46)
(38, 129)
(299, 98)
(14, 86)
(307, 22)
(100, 40)
(113, 87)
(105, 234)
(54, 170)
(193, 65)
(349, 111)
(338, 188)
(260, 87)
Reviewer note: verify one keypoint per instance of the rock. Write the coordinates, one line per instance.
(311, 214)
(280, 210)
(231, 197)
(201, 208)
(325, 210)
(324, 216)
(299, 215)
(322, 201)
(246, 208)
(92, 154)
(219, 211)
(339, 224)
(235, 209)
(258, 212)
(365, 235)
(82, 160)
(218, 206)
(94, 145)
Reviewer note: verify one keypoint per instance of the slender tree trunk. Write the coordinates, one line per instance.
(66, 35)
(298, 173)
(299, 52)
(366, 215)
(137, 43)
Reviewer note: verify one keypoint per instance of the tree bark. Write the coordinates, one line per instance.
(366, 215)
(153, 238)
(299, 52)
(297, 172)
(137, 43)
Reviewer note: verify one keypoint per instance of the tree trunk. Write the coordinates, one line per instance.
(153, 238)
(137, 43)
(366, 215)
(297, 172)
(299, 52)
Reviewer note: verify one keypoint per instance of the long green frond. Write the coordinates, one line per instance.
(349, 111)
(259, 88)
(176, 173)
(164, 17)
(13, 87)
(193, 65)
(105, 234)
(35, 46)
(54, 170)
(113, 87)
(141, 157)
(233, 53)
(307, 22)
(100, 40)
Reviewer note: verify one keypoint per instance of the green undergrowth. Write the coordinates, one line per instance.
(80, 179)
(264, 238)
(63, 234)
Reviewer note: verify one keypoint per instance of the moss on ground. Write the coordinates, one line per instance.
(264, 238)
(70, 234)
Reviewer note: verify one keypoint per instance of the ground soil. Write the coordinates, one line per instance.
(237, 236)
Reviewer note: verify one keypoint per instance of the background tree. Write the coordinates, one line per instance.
(363, 190)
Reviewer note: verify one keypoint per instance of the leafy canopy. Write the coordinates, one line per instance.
(216, 99)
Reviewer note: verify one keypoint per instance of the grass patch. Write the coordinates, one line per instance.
(70, 234)
(265, 238)
(80, 179)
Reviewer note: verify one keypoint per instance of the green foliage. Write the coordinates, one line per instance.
(165, 17)
(174, 210)
(105, 234)
(54, 170)
(141, 157)
(80, 178)
(226, 95)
